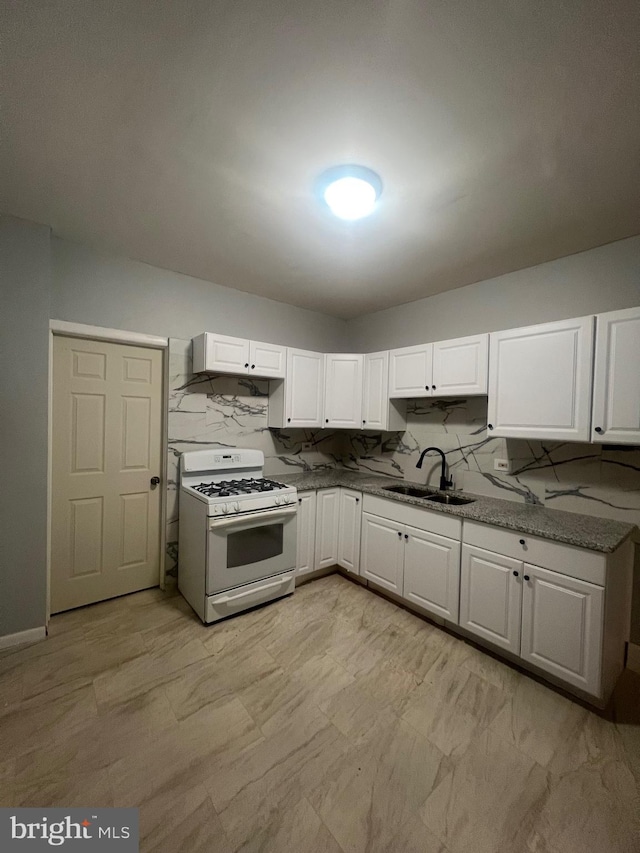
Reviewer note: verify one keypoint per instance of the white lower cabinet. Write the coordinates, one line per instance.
(432, 572)
(349, 530)
(491, 597)
(306, 544)
(327, 517)
(382, 554)
(562, 622)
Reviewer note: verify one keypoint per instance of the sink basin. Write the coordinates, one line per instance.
(452, 500)
(412, 491)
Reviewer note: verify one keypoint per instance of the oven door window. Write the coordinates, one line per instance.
(254, 545)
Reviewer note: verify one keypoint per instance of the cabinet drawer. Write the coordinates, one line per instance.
(423, 519)
(578, 563)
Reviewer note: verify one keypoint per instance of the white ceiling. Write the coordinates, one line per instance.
(188, 134)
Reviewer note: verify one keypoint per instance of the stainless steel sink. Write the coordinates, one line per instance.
(429, 495)
(452, 500)
(412, 491)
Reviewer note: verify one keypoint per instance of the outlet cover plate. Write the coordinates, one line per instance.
(501, 465)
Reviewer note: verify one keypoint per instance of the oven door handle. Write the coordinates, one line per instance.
(252, 517)
(227, 598)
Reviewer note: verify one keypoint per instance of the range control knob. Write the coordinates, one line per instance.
(225, 509)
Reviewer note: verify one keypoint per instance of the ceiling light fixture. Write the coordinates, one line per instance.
(351, 192)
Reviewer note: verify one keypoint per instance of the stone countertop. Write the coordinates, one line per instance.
(571, 528)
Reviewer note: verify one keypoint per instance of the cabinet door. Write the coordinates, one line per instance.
(491, 597)
(375, 404)
(411, 371)
(540, 381)
(349, 530)
(343, 390)
(268, 360)
(327, 509)
(461, 366)
(382, 553)
(304, 387)
(432, 572)
(616, 392)
(562, 626)
(220, 354)
(306, 542)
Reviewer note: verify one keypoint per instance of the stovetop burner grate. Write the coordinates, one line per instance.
(233, 488)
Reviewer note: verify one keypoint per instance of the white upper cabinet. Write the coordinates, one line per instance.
(220, 354)
(213, 353)
(267, 360)
(343, 390)
(378, 412)
(540, 381)
(616, 392)
(297, 401)
(461, 366)
(411, 371)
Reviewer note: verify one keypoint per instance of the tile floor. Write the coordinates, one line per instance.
(329, 721)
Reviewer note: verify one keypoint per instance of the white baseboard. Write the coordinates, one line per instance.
(33, 635)
(633, 657)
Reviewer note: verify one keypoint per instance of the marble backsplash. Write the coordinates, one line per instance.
(230, 411)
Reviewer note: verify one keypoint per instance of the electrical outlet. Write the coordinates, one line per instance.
(306, 445)
(501, 465)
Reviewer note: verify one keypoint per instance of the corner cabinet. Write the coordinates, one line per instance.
(213, 353)
(343, 390)
(540, 381)
(297, 400)
(616, 390)
(378, 411)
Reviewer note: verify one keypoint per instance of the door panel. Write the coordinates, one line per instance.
(382, 552)
(306, 542)
(268, 360)
(616, 392)
(343, 390)
(411, 371)
(304, 388)
(461, 366)
(327, 514)
(432, 572)
(490, 597)
(562, 626)
(349, 530)
(107, 421)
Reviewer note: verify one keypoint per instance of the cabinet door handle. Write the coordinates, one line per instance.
(406, 535)
(288, 420)
(253, 367)
(364, 422)
(247, 364)
(489, 426)
(400, 534)
(299, 500)
(326, 420)
(357, 500)
(599, 430)
(426, 387)
(515, 574)
(522, 541)
(527, 578)
(433, 387)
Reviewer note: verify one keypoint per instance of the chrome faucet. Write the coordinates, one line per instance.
(444, 483)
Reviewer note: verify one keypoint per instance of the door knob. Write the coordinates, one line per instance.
(155, 481)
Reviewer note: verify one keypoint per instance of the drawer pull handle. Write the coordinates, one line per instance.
(522, 542)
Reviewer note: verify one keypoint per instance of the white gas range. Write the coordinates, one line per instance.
(237, 540)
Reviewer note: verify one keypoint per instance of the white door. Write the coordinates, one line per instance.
(349, 530)
(375, 405)
(616, 391)
(411, 371)
(491, 596)
(432, 572)
(562, 626)
(381, 557)
(327, 514)
(461, 366)
(304, 388)
(306, 532)
(343, 390)
(107, 421)
(220, 354)
(540, 381)
(267, 360)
